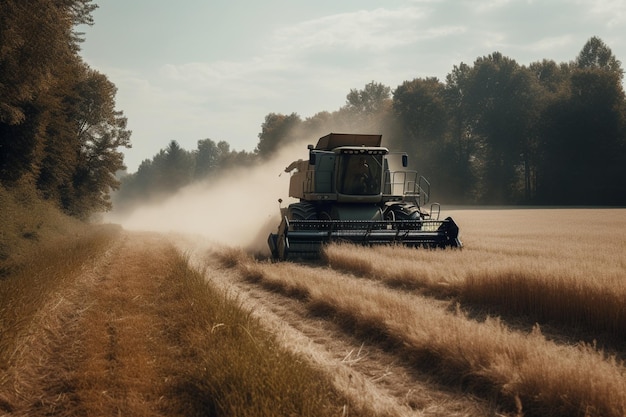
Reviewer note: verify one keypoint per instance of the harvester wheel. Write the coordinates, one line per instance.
(403, 211)
(301, 211)
(390, 215)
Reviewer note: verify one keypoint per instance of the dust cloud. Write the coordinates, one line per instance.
(239, 208)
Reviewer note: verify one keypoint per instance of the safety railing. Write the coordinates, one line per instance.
(407, 184)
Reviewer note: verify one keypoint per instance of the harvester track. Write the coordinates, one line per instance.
(378, 380)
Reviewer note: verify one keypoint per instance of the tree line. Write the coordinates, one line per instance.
(174, 167)
(60, 133)
(494, 132)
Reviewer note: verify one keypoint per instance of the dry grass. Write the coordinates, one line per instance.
(563, 254)
(139, 332)
(362, 391)
(226, 363)
(26, 222)
(46, 270)
(145, 334)
(94, 322)
(543, 377)
(563, 267)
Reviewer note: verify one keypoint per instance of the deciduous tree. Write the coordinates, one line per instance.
(277, 130)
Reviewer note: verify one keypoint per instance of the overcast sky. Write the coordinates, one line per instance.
(196, 69)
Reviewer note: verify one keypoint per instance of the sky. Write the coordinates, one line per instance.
(197, 69)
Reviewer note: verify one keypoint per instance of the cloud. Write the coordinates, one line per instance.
(179, 103)
(377, 29)
(304, 67)
(333, 53)
(550, 43)
(613, 12)
(243, 81)
(490, 5)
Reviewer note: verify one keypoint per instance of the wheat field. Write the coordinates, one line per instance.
(558, 266)
(530, 313)
(528, 318)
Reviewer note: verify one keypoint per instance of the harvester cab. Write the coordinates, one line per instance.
(353, 189)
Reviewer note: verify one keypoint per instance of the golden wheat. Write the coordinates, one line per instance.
(560, 266)
(524, 367)
(550, 262)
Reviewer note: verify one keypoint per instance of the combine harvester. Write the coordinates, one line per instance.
(352, 189)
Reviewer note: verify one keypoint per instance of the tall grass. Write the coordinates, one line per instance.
(226, 363)
(91, 328)
(563, 267)
(365, 395)
(26, 221)
(41, 253)
(529, 373)
(45, 270)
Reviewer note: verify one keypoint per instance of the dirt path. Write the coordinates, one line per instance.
(100, 339)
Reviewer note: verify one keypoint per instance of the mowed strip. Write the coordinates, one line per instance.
(122, 339)
(94, 347)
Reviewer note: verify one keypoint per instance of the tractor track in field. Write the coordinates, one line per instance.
(377, 378)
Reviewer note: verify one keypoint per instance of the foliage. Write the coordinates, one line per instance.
(420, 106)
(584, 141)
(597, 55)
(276, 130)
(495, 132)
(369, 100)
(58, 125)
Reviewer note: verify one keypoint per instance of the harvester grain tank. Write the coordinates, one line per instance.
(353, 189)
